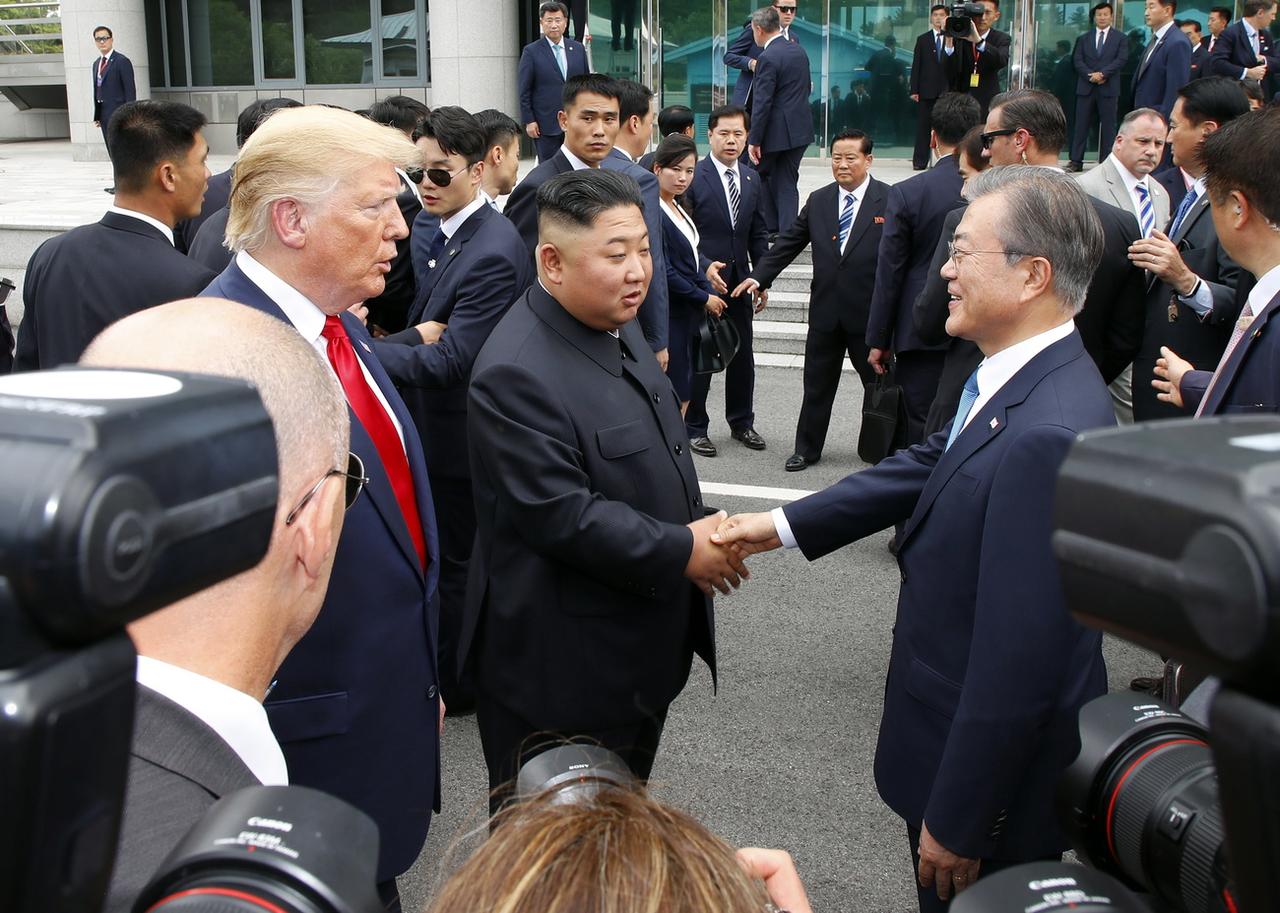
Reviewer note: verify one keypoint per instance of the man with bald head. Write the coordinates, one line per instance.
(313, 222)
(205, 663)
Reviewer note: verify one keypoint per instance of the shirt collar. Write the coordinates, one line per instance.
(454, 222)
(998, 369)
(237, 718)
(559, 43)
(1130, 179)
(1160, 32)
(301, 311)
(721, 168)
(771, 40)
(858, 192)
(1266, 289)
(577, 163)
(1249, 30)
(143, 217)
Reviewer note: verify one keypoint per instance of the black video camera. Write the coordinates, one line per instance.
(123, 492)
(964, 18)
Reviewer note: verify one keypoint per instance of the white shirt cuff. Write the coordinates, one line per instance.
(1201, 301)
(783, 528)
(948, 50)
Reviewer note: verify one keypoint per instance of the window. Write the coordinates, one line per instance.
(221, 42)
(337, 41)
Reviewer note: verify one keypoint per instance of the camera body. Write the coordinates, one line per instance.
(963, 19)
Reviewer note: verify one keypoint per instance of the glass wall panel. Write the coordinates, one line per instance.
(1060, 24)
(618, 36)
(155, 41)
(278, 61)
(176, 38)
(399, 39)
(688, 60)
(337, 42)
(221, 42)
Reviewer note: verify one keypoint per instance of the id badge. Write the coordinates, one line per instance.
(973, 80)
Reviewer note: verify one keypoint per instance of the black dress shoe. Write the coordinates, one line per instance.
(1075, 166)
(702, 446)
(796, 462)
(749, 438)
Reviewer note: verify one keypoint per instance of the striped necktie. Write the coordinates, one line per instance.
(1237, 334)
(1146, 214)
(1187, 202)
(967, 399)
(733, 196)
(846, 219)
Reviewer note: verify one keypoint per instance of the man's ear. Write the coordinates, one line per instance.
(289, 222)
(563, 119)
(550, 262)
(1039, 277)
(166, 174)
(315, 530)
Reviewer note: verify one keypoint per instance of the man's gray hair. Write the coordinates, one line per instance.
(1046, 215)
(767, 18)
(1138, 114)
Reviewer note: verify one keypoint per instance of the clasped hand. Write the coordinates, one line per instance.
(713, 566)
(748, 533)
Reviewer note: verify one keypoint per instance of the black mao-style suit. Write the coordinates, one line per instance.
(579, 619)
(1102, 101)
(80, 282)
(478, 274)
(1249, 382)
(913, 218)
(932, 76)
(117, 88)
(839, 298)
(988, 64)
(1199, 341)
(1233, 52)
(739, 246)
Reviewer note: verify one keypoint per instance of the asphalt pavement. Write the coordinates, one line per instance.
(780, 752)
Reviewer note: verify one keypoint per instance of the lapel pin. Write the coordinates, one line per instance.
(365, 346)
(431, 264)
(995, 423)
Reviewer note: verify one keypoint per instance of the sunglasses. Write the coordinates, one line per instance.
(786, 9)
(356, 481)
(989, 137)
(101, 38)
(439, 177)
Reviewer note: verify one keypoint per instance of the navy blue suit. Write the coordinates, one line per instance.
(1160, 76)
(739, 247)
(653, 316)
(207, 246)
(988, 669)
(117, 88)
(355, 705)
(1171, 180)
(1233, 52)
(782, 126)
(216, 196)
(913, 218)
(480, 271)
(1250, 380)
(1093, 100)
(83, 280)
(688, 290)
(540, 86)
(421, 232)
(739, 56)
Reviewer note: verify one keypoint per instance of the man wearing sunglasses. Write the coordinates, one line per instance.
(113, 83)
(475, 268)
(206, 663)
(744, 52)
(313, 222)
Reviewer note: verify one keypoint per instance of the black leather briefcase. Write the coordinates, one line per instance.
(718, 342)
(884, 420)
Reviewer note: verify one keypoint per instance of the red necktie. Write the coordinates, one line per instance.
(377, 424)
(102, 67)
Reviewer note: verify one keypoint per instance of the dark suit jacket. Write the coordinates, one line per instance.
(1109, 62)
(1250, 380)
(913, 219)
(780, 117)
(80, 282)
(988, 670)
(931, 77)
(178, 767)
(117, 87)
(1199, 59)
(207, 247)
(421, 234)
(840, 293)
(687, 285)
(216, 196)
(481, 270)
(738, 247)
(739, 56)
(522, 205)
(578, 614)
(1157, 81)
(989, 65)
(1171, 180)
(1233, 52)
(1198, 341)
(653, 310)
(540, 85)
(346, 725)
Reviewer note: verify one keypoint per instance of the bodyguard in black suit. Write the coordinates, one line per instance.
(1244, 49)
(79, 282)
(1099, 55)
(113, 83)
(1165, 64)
(544, 67)
(913, 219)
(844, 273)
(476, 268)
(1199, 47)
(932, 75)
(737, 240)
(742, 56)
(1196, 290)
(781, 126)
(983, 57)
(592, 572)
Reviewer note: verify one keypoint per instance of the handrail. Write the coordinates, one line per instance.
(22, 41)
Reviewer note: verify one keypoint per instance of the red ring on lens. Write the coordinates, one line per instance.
(219, 892)
(1115, 793)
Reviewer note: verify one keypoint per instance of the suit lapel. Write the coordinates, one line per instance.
(451, 250)
(1197, 210)
(1218, 391)
(862, 220)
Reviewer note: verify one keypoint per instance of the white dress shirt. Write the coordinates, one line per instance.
(237, 718)
(577, 163)
(721, 168)
(1100, 38)
(859, 194)
(1252, 34)
(143, 217)
(1131, 182)
(308, 320)
(993, 373)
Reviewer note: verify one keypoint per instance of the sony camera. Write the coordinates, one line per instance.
(123, 492)
(963, 19)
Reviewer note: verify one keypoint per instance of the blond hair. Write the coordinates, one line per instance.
(618, 852)
(303, 154)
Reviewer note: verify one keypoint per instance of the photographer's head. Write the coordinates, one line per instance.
(240, 630)
(1022, 256)
(593, 246)
(1025, 127)
(1245, 197)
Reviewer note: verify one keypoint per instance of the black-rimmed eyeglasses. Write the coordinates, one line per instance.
(990, 135)
(356, 480)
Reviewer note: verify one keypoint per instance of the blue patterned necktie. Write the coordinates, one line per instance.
(967, 399)
(1146, 214)
(734, 199)
(1187, 202)
(937, 45)
(564, 71)
(846, 219)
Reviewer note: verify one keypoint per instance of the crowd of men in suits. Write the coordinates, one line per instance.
(531, 517)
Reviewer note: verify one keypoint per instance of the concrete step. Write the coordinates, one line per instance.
(786, 307)
(778, 337)
(795, 278)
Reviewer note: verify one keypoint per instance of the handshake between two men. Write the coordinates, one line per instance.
(721, 542)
